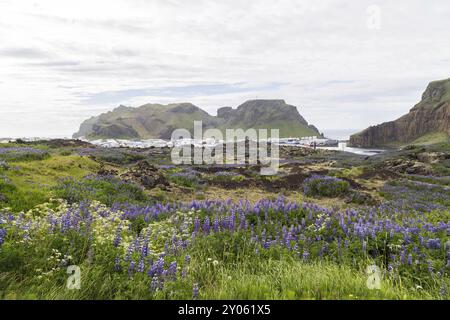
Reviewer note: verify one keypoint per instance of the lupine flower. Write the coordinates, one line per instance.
(305, 255)
(129, 252)
(173, 270)
(195, 291)
(273, 223)
(206, 225)
(2, 236)
(216, 225)
(196, 225)
(141, 266)
(118, 238)
(131, 269)
(154, 284)
(153, 270)
(443, 290)
(390, 268)
(144, 251)
(117, 266)
(434, 243)
(430, 266)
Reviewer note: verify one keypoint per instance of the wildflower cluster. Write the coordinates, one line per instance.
(150, 244)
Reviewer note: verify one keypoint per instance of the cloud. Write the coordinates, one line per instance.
(61, 62)
(23, 53)
(182, 92)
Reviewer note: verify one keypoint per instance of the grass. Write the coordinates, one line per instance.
(296, 280)
(108, 190)
(431, 138)
(31, 182)
(225, 265)
(275, 280)
(244, 273)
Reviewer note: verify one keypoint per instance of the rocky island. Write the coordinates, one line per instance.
(157, 121)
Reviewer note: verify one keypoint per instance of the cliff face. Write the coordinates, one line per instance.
(430, 116)
(159, 121)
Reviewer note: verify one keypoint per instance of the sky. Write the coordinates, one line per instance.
(344, 64)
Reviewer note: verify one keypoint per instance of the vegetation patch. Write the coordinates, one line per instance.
(271, 249)
(112, 155)
(12, 154)
(325, 186)
(187, 178)
(106, 189)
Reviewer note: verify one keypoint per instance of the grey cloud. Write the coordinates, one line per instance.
(24, 53)
(119, 96)
(57, 63)
(334, 66)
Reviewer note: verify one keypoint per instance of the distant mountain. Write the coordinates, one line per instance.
(427, 122)
(159, 121)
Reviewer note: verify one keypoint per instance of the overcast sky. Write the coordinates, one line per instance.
(62, 62)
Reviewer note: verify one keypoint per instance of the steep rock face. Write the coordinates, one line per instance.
(431, 115)
(159, 121)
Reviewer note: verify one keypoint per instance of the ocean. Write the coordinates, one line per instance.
(340, 134)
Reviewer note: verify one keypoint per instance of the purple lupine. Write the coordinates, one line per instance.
(153, 270)
(160, 265)
(232, 221)
(430, 266)
(154, 284)
(196, 224)
(173, 270)
(129, 252)
(2, 236)
(195, 291)
(117, 265)
(216, 224)
(131, 269)
(402, 256)
(434, 243)
(206, 225)
(390, 268)
(443, 290)
(117, 238)
(141, 266)
(144, 250)
(305, 255)
(166, 248)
